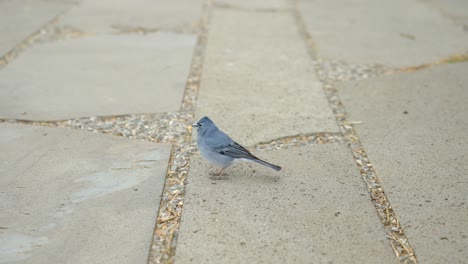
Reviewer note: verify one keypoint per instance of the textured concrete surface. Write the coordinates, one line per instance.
(256, 4)
(70, 196)
(127, 15)
(316, 210)
(102, 75)
(257, 91)
(414, 130)
(457, 10)
(21, 18)
(399, 33)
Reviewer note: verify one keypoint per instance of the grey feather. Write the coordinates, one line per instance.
(220, 149)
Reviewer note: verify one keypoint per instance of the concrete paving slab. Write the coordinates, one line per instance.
(70, 196)
(258, 82)
(316, 210)
(396, 34)
(456, 10)
(122, 15)
(21, 18)
(414, 130)
(102, 75)
(256, 4)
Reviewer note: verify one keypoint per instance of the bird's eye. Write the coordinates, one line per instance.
(198, 124)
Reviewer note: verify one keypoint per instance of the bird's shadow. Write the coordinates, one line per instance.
(251, 173)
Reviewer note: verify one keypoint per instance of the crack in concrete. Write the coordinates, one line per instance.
(387, 215)
(456, 58)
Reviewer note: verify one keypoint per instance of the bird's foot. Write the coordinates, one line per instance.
(218, 176)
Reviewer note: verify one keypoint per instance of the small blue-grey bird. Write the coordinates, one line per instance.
(219, 149)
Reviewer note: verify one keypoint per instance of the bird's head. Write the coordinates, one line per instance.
(204, 124)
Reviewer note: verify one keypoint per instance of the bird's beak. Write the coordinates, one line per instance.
(194, 125)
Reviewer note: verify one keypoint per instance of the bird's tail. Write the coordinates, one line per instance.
(275, 167)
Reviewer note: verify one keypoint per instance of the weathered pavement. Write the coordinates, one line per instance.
(363, 104)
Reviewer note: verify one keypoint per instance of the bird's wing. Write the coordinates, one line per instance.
(234, 150)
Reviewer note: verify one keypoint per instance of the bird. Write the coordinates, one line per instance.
(219, 149)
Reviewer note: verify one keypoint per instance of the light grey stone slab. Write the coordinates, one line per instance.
(69, 196)
(256, 4)
(456, 10)
(21, 18)
(415, 132)
(316, 210)
(399, 33)
(102, 75)
(258, 82)
(120, 15)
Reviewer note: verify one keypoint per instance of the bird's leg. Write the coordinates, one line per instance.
(219, 175)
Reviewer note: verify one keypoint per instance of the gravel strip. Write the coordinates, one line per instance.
(158, 127)
(35, 37)
(329, 73)
(334, 71)
(247, 9)
(52, 32)
(387, 215)
(300, 140)
(170, 210)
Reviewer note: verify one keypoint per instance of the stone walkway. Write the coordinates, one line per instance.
(363, 104)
